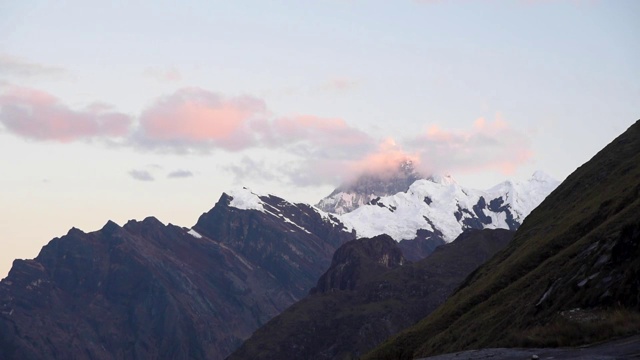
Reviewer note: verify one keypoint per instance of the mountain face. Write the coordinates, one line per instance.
(369, 293)
(367, 187)
(439, 206)
(570, 276)
(148, 290)
(357, 261)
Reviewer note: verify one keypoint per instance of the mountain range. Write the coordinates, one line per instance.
(147, 289)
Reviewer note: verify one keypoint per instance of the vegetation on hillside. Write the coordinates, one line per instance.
(570, 276)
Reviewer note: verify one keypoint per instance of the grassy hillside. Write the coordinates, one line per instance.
(571, 275)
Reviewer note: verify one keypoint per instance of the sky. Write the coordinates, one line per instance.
(126, 109)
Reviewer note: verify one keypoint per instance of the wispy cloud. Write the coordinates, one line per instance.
(169, 74)
(141, 175)
(11, 66)
(248, 167)
(37, 115)
(340, 84)
(179, 174)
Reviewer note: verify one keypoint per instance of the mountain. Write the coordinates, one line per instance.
(440, 206)
(570, 276)
(369, 186)
(149, 290)
(369, 293)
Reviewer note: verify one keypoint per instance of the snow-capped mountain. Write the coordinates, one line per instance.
(441, 206)
(367, 187)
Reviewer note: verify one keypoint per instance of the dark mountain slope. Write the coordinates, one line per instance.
(146, 290)
(580, 249)
(368, 295)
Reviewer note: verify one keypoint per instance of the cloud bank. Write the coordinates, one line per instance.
(38, 115)
(324, 150)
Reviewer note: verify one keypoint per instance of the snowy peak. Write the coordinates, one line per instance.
(444, 180)
(367, 187)
(244, 199)
(295, 216)
(440, 206)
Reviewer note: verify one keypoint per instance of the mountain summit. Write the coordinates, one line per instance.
(369, 186)
(440, 206)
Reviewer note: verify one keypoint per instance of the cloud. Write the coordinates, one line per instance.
(487, 145)
(196, 118)
(16, 67)
(385, 159)
(319, 137)
(177, 174)
(37, 115)
(170, 74)
(254, 169)
(141, 175)
(317, 150)
(339, 84)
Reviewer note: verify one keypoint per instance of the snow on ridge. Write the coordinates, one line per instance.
(194, 233)
(440, 204)
(244, 199)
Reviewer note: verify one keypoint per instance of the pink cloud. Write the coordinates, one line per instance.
(487, 145)
(194, 118)
(199, 118)
(324, 136)
(385, 159)
(38, 115)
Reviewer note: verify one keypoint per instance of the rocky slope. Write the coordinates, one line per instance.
(149, 290)
(570, 276)
(369, 293)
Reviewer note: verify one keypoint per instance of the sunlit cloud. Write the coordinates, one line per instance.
(37, 115)
(197, 118)
(486, 145)
(318, 137)
(319, 150)
(385, 159)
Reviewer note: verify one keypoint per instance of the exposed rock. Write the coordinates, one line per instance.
(368, 294)
(148, 290)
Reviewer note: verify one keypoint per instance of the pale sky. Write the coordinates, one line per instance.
(125, 109)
